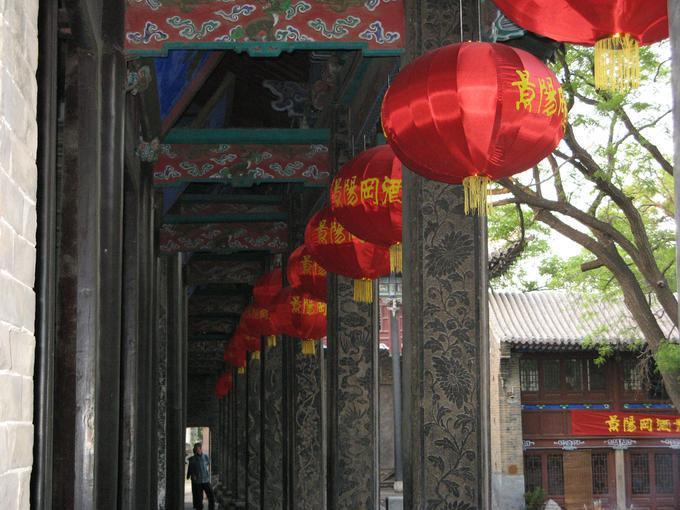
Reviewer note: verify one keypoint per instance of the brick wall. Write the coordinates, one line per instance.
(507, 459)
(18, 177)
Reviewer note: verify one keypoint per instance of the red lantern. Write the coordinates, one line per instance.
(250, 340)
(268, 286)
(306, 275)
(300, 316)
(224, 385)
(471, 112)
(235, 353)
(338, 251)
(366, 198)
(617, 28)
(265, 290)
(256, 319)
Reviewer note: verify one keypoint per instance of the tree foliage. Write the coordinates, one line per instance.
(609, 188)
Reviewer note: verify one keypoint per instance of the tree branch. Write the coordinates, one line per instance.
(645, 143)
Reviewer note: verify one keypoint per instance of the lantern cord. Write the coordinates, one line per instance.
(271, 341)
(241, 370)
(363, 291)
(308, 347)
(396, 264)
(475, 188)
(617, 63)
(255, 355)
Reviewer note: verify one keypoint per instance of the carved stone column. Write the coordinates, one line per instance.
(308, 457)
(241, 394)
(161, 380)
(254, 439)
(273, 436)
(446, 359)
(352, 402)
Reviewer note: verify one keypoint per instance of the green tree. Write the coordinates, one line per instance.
(609, 188)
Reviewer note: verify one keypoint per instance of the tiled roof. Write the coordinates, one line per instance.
(558, 319)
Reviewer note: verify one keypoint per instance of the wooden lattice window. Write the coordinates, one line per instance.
(639, 473)
(533, 472)
(597, 379)
(600, 466)
(555, 475)
(573, 376)
(528, 375)
(663, 473)
(632, 378)
(551, 374)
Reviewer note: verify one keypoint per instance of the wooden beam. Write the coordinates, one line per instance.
(247, 136)
(183, 219)
(226, 87)
(233, 199)
(190, 92)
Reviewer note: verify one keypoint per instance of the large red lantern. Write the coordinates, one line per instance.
(299, 315)
(305, 274)
(224, 384)
(617, 28)
(470, 112)
(338, 251)
(366, 198)
(268, 286)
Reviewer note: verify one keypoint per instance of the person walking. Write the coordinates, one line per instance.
(199, 472)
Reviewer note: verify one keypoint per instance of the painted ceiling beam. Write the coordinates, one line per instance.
(233, 199)
(181, 219)
(269, 136)
(225, 290)
(224, 237)
(202, 272)
(265, 29)
(217, 315)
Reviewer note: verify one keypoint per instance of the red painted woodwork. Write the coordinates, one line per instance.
(265, 27)
(184, 162)
(272, 236)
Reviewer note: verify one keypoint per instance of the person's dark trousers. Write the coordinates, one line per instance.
(197, 490)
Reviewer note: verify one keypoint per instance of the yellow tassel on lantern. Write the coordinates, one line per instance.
(255, 355)
(363, 291)
(475, 189)
(241, 370)
(396, 264)
(271, 341)
(309, 347)
(617, 63)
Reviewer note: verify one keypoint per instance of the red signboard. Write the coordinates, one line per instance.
(621, 423)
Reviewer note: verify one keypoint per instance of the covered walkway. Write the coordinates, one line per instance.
(187, 145)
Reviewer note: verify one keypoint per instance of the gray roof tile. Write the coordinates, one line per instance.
(562, 319)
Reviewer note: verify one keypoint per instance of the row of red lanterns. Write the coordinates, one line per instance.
(462, 114)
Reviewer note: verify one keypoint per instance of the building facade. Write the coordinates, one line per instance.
(583, 432)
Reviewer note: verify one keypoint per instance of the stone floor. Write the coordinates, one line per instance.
(384, 492)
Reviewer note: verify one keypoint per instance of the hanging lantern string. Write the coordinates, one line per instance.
(271, 341)
(241, 370)
(308, 347)
(617, 63)
(363, 291)
(476, 191)
(255, 355)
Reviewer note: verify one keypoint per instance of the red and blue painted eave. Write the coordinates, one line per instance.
(153, 27)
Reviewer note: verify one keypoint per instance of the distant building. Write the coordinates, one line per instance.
(580, 431)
